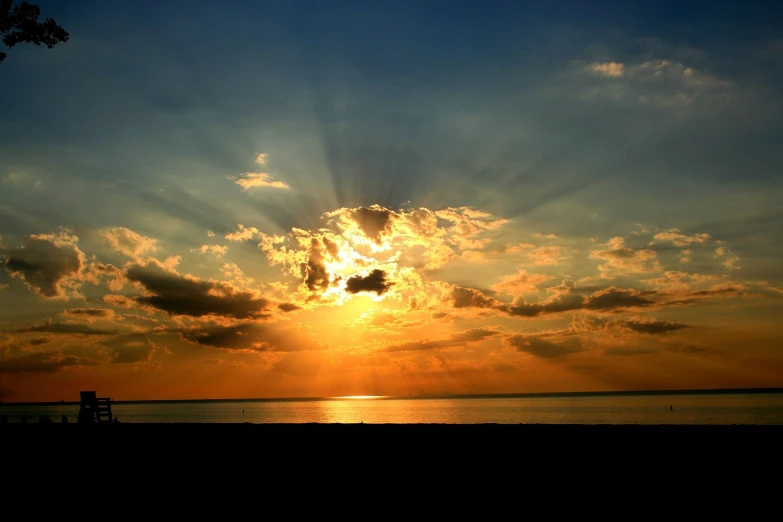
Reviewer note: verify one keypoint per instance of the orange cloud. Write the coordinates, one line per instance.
(128, 242)
(520, 283)
(259, 179)
(677, 238)
(610, 69)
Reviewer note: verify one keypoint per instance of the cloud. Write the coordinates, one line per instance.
(653, 326)
(242, 234)
(130, 349)
(185, 295)
(316, 275)
(565, 299)
(289, 307)
(520, 283)
(539, 347)
(50, 264)
(42, 362)
(217, 250)
(259, 179)
(128, 242)
(640, 325)
(546, 255)
(261, 159)
(459, 339)
(375, 282)
(66, 328)
(725, 290)
(11, 346)
(91, 313)
(95, 272)
(655, 83)
(401, 244)
(119, 300)
(675, 280)
(261, 337)
(677, 238)
(472, 298)
(619, 260)
(375, 222)
(610, 69)
(730, 260)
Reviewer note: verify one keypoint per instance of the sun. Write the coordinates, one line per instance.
(356, 256)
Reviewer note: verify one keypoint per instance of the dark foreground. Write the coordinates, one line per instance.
(503, 463)
(511, 440)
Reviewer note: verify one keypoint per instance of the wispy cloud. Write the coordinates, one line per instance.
(128, 242)
(259, 179)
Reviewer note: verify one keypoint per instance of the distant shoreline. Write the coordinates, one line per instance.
(711, 391)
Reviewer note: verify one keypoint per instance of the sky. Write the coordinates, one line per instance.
(312, 199)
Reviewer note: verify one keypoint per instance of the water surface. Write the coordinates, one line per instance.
(690, 408)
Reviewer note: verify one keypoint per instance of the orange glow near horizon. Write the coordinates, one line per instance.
(361, 397)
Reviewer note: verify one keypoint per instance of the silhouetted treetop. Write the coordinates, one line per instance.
(19, 23)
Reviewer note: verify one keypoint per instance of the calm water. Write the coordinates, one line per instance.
(729, 408)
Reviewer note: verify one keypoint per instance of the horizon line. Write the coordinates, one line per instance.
(469, 395)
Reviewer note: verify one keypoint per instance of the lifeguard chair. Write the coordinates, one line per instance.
(94, 408)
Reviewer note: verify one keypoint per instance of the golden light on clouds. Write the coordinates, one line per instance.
(376, 301)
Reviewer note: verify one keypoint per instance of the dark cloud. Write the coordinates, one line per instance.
(42, 362)
(695, 296)
(179, 295)
(460, 339)
(331, 248)
(375, 282)
(535, 345)
(42, 264)
(613, 297)
(73, 328)
(314, 272)
(89, 312)
(373, 222)
(472, 298)
(289, 307)
(653, 326)
(221, 336)
(212, 361)
(250, 336)
(565, 300)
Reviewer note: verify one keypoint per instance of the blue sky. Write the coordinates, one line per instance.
(581, 121)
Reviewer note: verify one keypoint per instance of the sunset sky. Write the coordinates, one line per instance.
(244, 199)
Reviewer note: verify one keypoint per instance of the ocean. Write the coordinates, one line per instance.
(704, 407)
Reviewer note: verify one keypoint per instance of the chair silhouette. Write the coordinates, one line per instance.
(94, 408)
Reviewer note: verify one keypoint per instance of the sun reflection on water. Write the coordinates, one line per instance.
(361, 397)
